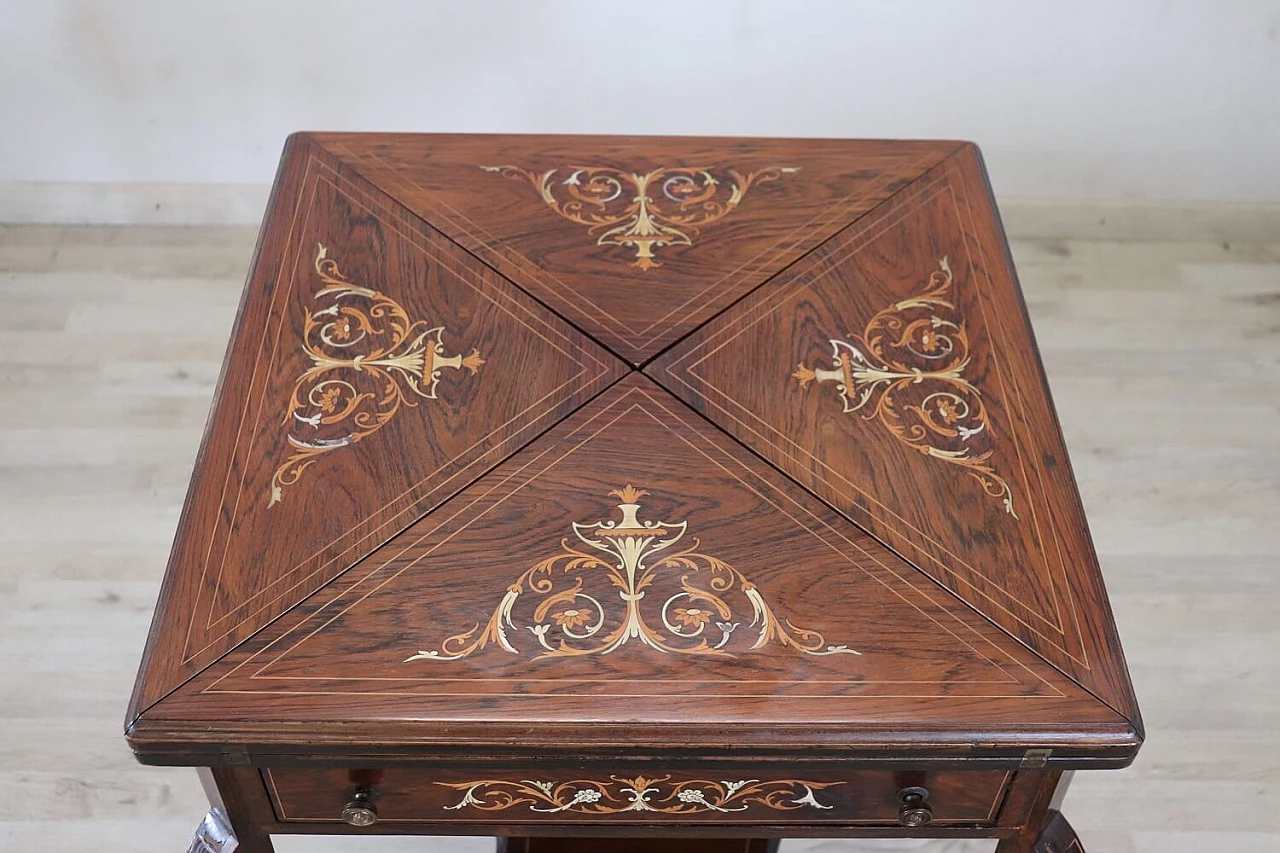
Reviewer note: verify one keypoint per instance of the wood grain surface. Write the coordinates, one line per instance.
(935, 432)
(744, 218)
(898, 660)
(414, 525)
(343, 441)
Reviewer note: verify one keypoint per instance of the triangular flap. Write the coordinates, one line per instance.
(636, 240)
(893, 373)
(604, 573)
(375, 370)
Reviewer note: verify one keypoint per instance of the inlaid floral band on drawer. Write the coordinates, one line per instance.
(638, 794)
(559, 793)
(906, 370)
(367, 360)
(622, 208)
(641, 560)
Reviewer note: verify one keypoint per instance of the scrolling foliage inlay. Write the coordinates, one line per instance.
(367, 360)
(638, 794)
(906, 370)
(692, 595)
(665, 207)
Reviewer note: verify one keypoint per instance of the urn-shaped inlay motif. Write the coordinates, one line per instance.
(632, 579)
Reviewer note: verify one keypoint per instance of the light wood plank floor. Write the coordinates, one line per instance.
(1164, 361)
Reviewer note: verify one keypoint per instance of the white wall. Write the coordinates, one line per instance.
(1116, 98)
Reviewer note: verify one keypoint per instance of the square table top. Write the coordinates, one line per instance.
(618, 443)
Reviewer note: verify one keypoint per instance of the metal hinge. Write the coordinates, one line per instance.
(1034, 759)
(236, 755)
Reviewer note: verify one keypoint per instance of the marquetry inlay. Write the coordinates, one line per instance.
(664, 207)
(367, 360)
(693, 609)
(638, 794)
(906, 371)
(826, 571)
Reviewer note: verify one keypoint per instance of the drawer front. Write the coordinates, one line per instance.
(410, 795)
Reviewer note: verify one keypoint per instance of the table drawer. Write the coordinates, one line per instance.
(644, 795)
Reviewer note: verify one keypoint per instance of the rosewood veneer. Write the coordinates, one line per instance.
(677, 492)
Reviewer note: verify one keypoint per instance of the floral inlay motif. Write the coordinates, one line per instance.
(906, 370)
(664, 207)
(367, 360)
(638, 794)
(670, 597)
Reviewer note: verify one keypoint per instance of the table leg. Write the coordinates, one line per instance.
(227, 828)
(1045, 830)
(637, 845)
(1058, 836)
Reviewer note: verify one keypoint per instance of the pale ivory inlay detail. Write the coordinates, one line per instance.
(367, 360)
(664, 207)
(638, 794)
(907, 371)
(691, 611)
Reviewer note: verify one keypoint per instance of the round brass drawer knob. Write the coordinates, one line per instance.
(915, 809)
(360, 810)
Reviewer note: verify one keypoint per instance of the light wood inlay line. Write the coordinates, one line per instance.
(809, 274)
